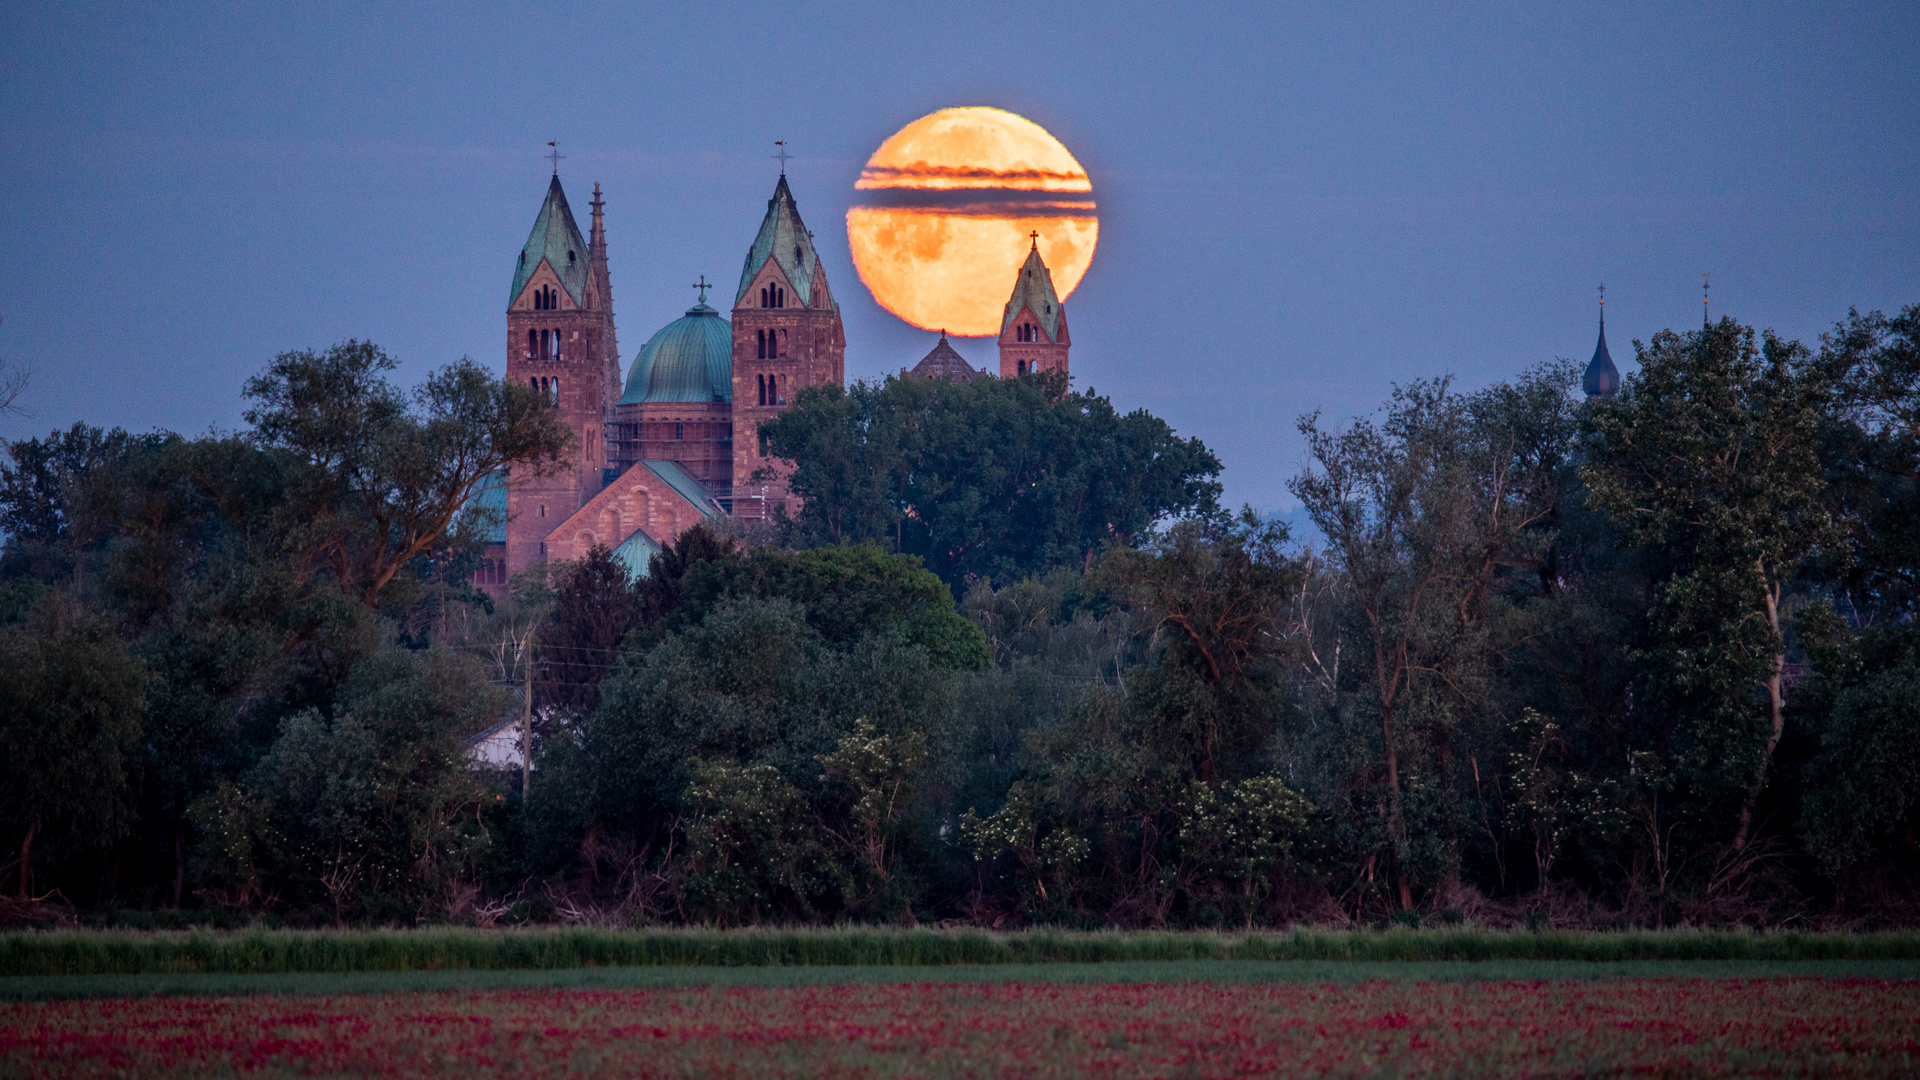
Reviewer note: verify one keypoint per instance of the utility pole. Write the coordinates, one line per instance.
(526, 722)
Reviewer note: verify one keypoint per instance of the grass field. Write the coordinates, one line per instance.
(1328, 972)
(1401, 1027)
(264, 952)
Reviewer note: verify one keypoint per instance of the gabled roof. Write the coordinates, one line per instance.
(556, 239)
(944, 363)
(1034, 289)
(686, 486)
(1603, 379)
(784, 239)
(690, 359)
(636, 552)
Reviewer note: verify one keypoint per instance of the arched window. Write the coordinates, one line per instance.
(1023, 367)
(773, 344)
(779, 297)
(759, 344)
(569, 256)
(679, 432)
(533, 340)
(765, 301)
(760, 381)
(556, 391)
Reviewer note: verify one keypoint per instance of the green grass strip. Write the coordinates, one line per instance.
(49, 987)
(287, 951)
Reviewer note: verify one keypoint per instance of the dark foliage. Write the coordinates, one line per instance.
(992, 478)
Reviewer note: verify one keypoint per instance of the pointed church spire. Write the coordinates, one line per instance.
(597, 250)
(1034, 289)
(783, 238)
(1603, 379)
(555, 238)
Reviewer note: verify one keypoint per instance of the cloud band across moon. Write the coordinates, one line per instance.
(980, 202)
(923, 175)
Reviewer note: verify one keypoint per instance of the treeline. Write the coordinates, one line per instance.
(1648, 660)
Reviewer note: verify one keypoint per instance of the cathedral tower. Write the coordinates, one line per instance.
(560, 342)
(1033, 330)
(786, 336)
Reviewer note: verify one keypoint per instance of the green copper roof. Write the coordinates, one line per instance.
(690, 359)
(556, 239)
(683, 482)
(489, 499)
(636, 552)
(1034, 288)
(783, 238)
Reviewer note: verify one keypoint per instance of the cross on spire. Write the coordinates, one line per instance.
(1035, 234)
(703, 285)
(782, 157)
(556, 156)
(1603, 302)
(1705, 283)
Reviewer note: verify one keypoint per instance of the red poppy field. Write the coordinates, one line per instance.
(1650, 1028)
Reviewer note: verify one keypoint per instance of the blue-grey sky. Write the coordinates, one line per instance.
(1300, 204)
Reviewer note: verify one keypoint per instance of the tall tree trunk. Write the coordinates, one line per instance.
(1396, 819)
(26, 858)
(179, 862)
(1776, 704)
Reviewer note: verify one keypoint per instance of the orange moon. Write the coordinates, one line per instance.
(944, 210)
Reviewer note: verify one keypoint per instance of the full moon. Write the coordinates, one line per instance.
(945, 213)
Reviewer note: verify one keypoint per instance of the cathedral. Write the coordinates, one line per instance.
(671, 439)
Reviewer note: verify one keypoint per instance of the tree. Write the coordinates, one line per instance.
(371, 805)
(70, 708)
(997, 478)
(846, 591)
(13, 384)
(751, 684)
(1708, 458)
(1427, 515)
(385, 481)
(596, 603)
(1870, 444)
(1210, 590)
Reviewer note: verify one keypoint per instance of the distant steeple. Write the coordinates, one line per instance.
(1603, 379)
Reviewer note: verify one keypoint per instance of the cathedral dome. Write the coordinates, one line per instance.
(690, 359)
